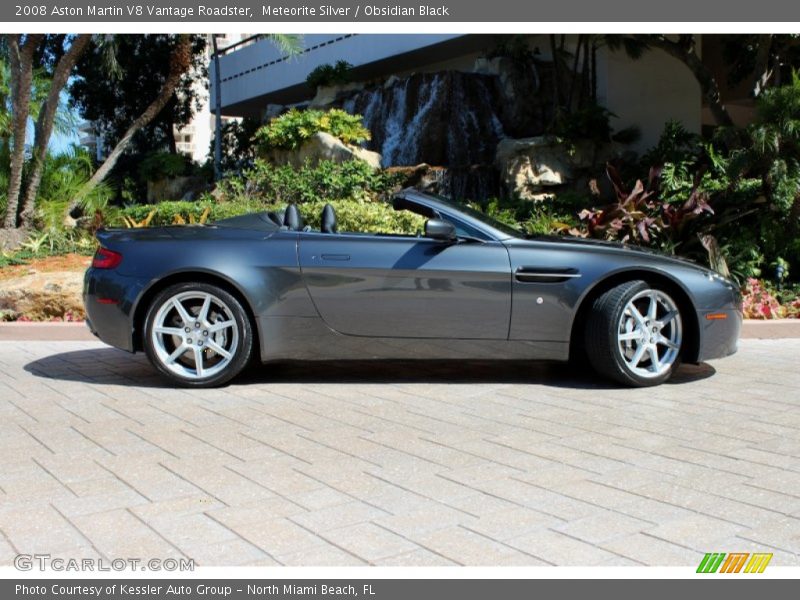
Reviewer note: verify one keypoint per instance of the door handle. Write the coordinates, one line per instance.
(335, 257)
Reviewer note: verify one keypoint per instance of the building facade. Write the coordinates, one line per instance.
(644, 93)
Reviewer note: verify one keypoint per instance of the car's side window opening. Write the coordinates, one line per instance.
(328, 222)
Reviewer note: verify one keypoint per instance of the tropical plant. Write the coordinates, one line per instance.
(291, 129)
(269, 183)
(770, 152)
(329, 74)
(62, 175)
(632, 217)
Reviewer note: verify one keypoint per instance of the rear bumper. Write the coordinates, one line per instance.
(109, 299)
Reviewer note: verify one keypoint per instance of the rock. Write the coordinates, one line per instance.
(390, 81)
(457, 183)
(323, 146)
(534, 168)
(329, 94)
(422, 177)
(44, 296)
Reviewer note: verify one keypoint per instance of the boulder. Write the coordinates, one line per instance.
(43, 296)
(323, 146)
(423, 177)
(329, 94)
(536, 168)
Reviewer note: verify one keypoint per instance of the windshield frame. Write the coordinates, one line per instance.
(490, 226)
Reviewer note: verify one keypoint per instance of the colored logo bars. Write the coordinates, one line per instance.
(734, 562)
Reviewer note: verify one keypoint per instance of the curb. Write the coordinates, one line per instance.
(774, 329)
(38, 332)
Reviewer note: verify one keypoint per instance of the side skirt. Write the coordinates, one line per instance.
(309, 338)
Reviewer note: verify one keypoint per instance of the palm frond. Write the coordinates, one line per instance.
(288, 44)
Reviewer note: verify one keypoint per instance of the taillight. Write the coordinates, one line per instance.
(106, 259)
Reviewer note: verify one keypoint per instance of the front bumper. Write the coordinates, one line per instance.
(719, 336)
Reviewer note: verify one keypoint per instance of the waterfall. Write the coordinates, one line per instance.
(448, 119)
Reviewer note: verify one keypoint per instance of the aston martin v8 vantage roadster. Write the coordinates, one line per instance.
(202, 301)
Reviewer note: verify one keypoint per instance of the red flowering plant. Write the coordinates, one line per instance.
(793, 309)
(759, 303)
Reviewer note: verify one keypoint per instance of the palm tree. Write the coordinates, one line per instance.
(33, 96)
(20, 53)
(46, 120)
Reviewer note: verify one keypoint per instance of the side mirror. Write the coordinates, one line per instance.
(438, 229)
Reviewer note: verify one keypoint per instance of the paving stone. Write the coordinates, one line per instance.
(426, 465)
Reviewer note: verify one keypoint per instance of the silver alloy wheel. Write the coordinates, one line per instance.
(650, 333)
(195, 335)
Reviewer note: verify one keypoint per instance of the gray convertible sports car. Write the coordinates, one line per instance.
(202, 301)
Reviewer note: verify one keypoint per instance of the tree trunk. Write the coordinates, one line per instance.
(44, 124)
(21, 59)
(762, 72)
(180, 61)
(556, 75)
(685, 52)
(574, 77)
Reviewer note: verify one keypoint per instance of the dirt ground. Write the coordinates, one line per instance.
(67, 262)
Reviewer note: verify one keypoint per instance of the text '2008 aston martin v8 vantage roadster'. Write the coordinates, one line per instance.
(202, 301)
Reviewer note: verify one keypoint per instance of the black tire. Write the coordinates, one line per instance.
(600, 339)
(228, 308)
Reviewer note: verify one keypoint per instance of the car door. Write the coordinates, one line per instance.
(408, 287)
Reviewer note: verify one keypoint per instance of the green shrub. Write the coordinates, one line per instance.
(329, 74)
(167, 213)
(162, 165)
(292, 128)
(544, 218)
(327, 180)
(352, 215)
(360, 215)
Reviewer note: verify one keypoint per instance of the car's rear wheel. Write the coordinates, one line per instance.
(634, 334)
(197, 334)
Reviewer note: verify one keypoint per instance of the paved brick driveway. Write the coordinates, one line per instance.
(398, 464)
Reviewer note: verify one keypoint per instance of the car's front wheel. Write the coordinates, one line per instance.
(197, 334)
(634, 334)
